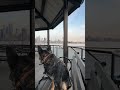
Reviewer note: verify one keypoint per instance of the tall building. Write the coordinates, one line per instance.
(24, 34)
(4, 32)
(11, 31)
(7, 33)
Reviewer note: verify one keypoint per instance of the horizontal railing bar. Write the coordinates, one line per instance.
(78, 81)
(3, 60)
(91, 49)
(102, 51)
(100, 48)
(76, 47)
(99, 51)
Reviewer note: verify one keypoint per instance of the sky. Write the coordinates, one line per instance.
(76, 27)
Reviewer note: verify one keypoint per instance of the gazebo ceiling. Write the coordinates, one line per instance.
(49, 13)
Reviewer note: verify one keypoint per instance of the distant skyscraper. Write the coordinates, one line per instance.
(11, 35)
(24, 34)
(3, 32)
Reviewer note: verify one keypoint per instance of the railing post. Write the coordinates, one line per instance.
(56, 50)
(53, 49)
(82, 51)
(112, 66)
(48, 38)
(65, 44)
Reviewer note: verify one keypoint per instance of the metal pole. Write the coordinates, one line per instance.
(32, 26)
(65, 24)
(48, 38)
(56, 50)
(53, 49)
(112, 66)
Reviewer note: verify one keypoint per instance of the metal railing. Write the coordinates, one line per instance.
(56, 50)
(96, 53)
(77, 69)
(79, 55)
(81, 52)
(24, 49)
(100, 80)
(76, 55)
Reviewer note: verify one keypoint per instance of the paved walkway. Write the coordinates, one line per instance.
(38, 69)
(4, 77)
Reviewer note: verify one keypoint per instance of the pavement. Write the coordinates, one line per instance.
(5, 83)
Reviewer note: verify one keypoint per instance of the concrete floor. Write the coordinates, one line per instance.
(38, 69)
(5, 83)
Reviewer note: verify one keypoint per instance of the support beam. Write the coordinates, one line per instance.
(59, 17)
(32, 26)
(43, 6)
(76, 2)
(32, 31)
(9, 8)
(40, 16)
(48, 38)
(65, 24)
(60, 13)
(41, 29)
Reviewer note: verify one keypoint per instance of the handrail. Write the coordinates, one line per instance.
(99, 51)
(19, 49)
(102, 51)
(50, 45)
(78, 82)
(72, 47)
(110, 85)
(78, 52)
(81, 65)
(103, 63)
(101, 48)
(77, 47)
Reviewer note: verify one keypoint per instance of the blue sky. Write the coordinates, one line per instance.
(76, 27)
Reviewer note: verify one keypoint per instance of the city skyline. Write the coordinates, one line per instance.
(44, 40)
(12, 26)
(11, 34)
